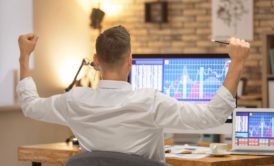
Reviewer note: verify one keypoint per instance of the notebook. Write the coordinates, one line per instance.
(253, 131)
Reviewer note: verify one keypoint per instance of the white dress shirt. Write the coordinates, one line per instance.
(113, 117)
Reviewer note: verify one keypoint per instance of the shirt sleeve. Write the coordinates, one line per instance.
(52, 109)
(170, 113)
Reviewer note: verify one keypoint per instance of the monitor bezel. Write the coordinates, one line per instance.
(182, 55)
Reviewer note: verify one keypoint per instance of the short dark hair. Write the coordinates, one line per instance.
(113, 45)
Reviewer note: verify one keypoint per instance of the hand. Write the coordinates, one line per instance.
(238, 50)
(27, 43)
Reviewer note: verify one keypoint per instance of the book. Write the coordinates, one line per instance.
(271, 57)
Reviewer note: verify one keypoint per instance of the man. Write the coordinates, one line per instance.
(113, 117)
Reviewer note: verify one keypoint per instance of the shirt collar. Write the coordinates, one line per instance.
(110, 84)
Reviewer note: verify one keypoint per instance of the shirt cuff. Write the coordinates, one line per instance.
(225, 94)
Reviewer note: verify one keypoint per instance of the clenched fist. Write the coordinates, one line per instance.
(27, 43)
(238, 49)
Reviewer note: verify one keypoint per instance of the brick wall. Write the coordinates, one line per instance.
(189, 31)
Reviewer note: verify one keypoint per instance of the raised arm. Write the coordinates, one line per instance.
(51, 109)
(27, 44)
(169, 113)
(238, 51)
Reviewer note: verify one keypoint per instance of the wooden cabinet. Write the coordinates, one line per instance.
(268, 43)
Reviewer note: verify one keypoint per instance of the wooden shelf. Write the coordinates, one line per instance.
(268, 43)
(270, 76)
(251, 97)
(252, 100)
(249, 103)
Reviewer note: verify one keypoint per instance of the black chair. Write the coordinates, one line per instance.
(104, 158)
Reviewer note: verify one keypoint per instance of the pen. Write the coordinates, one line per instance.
(221, 42)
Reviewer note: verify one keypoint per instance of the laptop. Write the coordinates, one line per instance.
(253, 131)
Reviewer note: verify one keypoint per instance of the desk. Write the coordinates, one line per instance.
(231, 160)
(56, 153)
(59, 153)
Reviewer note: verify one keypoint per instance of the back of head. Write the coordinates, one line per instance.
(113, 46)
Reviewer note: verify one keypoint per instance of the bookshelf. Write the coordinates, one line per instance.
(268, 43)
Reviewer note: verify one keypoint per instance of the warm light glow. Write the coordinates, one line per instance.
(67, 70)
(86, 5)
(111, 8)
(67, 60)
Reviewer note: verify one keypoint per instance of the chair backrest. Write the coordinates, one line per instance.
(104, 158)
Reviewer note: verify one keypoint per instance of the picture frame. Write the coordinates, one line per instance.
(156, 12)
(232, 18)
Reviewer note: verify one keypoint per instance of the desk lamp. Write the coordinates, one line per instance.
(85, 61)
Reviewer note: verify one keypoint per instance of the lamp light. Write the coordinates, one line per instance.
(85, 62)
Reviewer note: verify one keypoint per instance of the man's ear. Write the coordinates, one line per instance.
(130, 60)
(96, 62)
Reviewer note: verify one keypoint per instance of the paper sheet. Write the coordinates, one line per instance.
(196, 152)
(186, 156)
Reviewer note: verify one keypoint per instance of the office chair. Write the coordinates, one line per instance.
(104, 158)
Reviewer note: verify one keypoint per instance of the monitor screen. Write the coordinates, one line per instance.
(186, 77)
(253, 129)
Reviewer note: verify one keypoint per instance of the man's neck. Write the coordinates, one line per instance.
(115, 76)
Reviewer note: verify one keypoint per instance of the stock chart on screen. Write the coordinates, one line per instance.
(254, 129)
(194, 79)
(184, 78)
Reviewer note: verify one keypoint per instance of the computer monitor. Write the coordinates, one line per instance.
(254, 128)
(186, 77)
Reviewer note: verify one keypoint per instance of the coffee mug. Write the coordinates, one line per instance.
(218, 148)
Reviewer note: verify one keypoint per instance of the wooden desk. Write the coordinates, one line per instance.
(59, 153)
(231, 160)
(56, 153)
